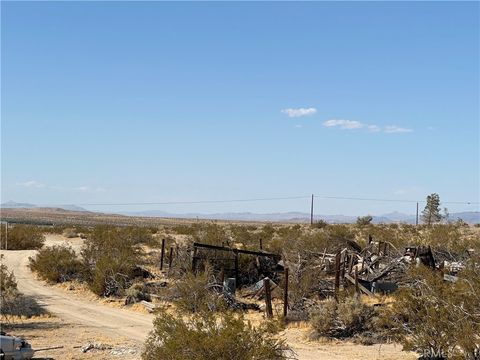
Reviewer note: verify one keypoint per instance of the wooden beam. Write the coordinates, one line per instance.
(240, 251)
(360, 286)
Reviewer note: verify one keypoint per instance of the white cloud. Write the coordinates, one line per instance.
(344, 124)
(373, 128)
(35, 184)
(299, 126)
(355, 125)
(391, 129)
(299, 112)
(31, 184)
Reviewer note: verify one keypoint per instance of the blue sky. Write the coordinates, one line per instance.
(151, 102)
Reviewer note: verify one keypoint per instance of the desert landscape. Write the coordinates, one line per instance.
(240, 180)
(110, 322)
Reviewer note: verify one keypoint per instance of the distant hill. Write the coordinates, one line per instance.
(14, 205)
(470, 217)
(300, 217)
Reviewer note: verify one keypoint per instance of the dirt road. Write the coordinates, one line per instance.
(108, 320)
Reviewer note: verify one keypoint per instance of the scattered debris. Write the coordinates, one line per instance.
(95, 346)
(148, 305)
(123, 351)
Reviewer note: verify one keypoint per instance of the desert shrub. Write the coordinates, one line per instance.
(22, 237)
(364, 220)
(137, 292)
(426, 316)
(139, 235)
(69, 233)
(56, 263)
(193, 293)
(12, 302)
(345, 318)
(8, 290)
(110, 255)
(320, 224)
(267, 232)
(182, 229)
(340, 232)
(210, 233)
(207, 335)
(286, 239)
(323, 318)
(447, 236)
(246, 236)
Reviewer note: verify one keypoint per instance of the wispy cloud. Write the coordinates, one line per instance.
(298, 126)
(355, 125)
(396, 129)
(344, 124)
(299, 112)
(33, 184)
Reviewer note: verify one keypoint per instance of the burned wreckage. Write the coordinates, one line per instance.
(378, 268)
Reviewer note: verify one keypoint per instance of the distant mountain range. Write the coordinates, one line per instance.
(471, 217)
(14, 205)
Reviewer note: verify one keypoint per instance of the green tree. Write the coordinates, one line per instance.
(431, 213)
(364, 220)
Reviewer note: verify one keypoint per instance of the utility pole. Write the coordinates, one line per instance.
(6, 235)
(416, 219)
(311, 212)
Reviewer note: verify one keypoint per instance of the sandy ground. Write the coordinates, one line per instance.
(78, 321)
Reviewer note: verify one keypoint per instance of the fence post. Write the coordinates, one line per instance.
(170, 259)
(337, 273)
(194, 260)
(285, 292)
(261, 244)
(268, 298)
(237, 279)
(162, 254)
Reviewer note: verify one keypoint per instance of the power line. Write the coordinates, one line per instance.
(393, 200)
(195, 202)
(270, 199)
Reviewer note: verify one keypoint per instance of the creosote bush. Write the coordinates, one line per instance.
(193, 293)
(210, 336)
(56, 263)
(110, 256)
(8, 291)
(426, 317)
(12, 302)
(346, 318)
(22, 237)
